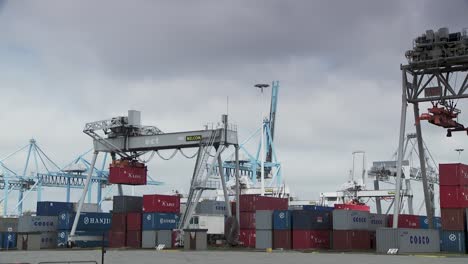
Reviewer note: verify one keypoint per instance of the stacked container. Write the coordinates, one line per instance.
(376, 221)
(248, 205)
(263, 229)
(282, 235)
(453, 203)
(211, 207)
(406, 221)
(44, 227)
(8, 233)
(91, 229)
(351, 230)
(160, 217)
(126, 213)
(311, 229)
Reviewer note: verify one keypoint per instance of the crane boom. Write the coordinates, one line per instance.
(273, 106)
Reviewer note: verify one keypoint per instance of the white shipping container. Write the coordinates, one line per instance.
(214, 223)
(87, 208)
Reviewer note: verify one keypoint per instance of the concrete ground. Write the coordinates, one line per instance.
(218, 257)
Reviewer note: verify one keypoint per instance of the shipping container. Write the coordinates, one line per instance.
(213, 223)
(86, 221)
(27, 224)
(29, 241)
(8, 224)
(211, 207)
(51, 208)
(247, 220)
(453, 241)
(252, 203)
(454, 174)
(350, 220)
(8, 240)
(373, 239)
(247, 237)
(263, 239)
(405, 221)
(282, 220)
(87, 208)
(317, 208)
(48, 240)
(160, 221)
(377, 221)
(84, 239)
(424, 222)
(311, 220)
(301, 239)
(133, 239)
(117, 239)
(119, 222)
(310, 239)
(164, 237)
(282, 239)
(351, 240)
(355, 207)
(264, 219)
(148, 239)
(453, 197)
(408, 240)
(134, 221)
(127, 174)
(453, 219)
(158, 203)
(127, 204)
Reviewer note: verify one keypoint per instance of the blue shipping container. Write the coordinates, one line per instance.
(453, 241)
(8, 240)
(317, 208)
(84, 239)
(86, 222)
(160, 221)
(424, 222)
(311, 220)
(50, 208)
(282, 220)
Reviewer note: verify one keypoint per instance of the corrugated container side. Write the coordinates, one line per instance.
(52, 208)
(386, 238)
(87, 208)
(282, 220)
(48, 240)
(164, 237)
(301, 239)
(9, 224)
(158, 203)
(350, 220)
(148, 239)
(408, 240)
(252, 203)
(351, 240)
(320, 239)
(377, 221)
(159, 221)
(264, 220)
(86, 221)
(117, 239)
(453, 219)
(127, 175)
(282, 239)
(84, 239)
(263, 239)
(453, 241)
(311, 220)
(247, 237)
(453, 197)
(453, 174)
(247, 220)
(134, 221)
(28, 224)
(8, 240)
(119, 222)
(405, 221)
(211, 207)
(317, 208)
(133, 239)
(355, 207)
(127, 204)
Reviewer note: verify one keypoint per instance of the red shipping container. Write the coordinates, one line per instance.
(247, 220)
(158, 203)
(252, 203)
(117, 239)
(247, 237)
(134, 239)
(301, 239)
(133, 221)
(373, 239)
(282, 239)
(354, 207)
(453, 219)
(125, 174)
(405, 221)
(320, 239)
(453, 197)
(119, 222)
(455, 174)
(351, 240)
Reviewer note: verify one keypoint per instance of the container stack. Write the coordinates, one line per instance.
(211, 207)
(124, 210)
(453, 203)
(282, 234)
(160, 217)
(91, 230)
(248, 205)
(37, 232)
(376, 221)
(351, 230)
(8, 233)
(263, 229)
(311, 228)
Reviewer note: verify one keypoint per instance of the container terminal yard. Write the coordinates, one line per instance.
(109, 204)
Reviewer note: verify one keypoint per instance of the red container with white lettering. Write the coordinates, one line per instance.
(354, 207)
(405, 221)
(247, 237)
(252, 203)
(134, 222)
(158, 203)
(455, 174)
(453, 197)
(127, 173)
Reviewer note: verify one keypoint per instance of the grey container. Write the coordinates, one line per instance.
(148, 239)
(350, 220)
(377, 221)
(87, 208)
(9, 225)
(263, 239)
(49, 240)
(164, 237)
(127, 204)
(28, 241)
(211, 207)
(264, 219)
(408, 240)
(195, 239)
(30, 224)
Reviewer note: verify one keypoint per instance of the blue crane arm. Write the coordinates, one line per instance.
(273, 107)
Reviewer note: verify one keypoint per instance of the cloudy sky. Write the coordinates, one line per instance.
(65, 63)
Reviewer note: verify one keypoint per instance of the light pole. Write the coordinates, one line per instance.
(262, 144)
